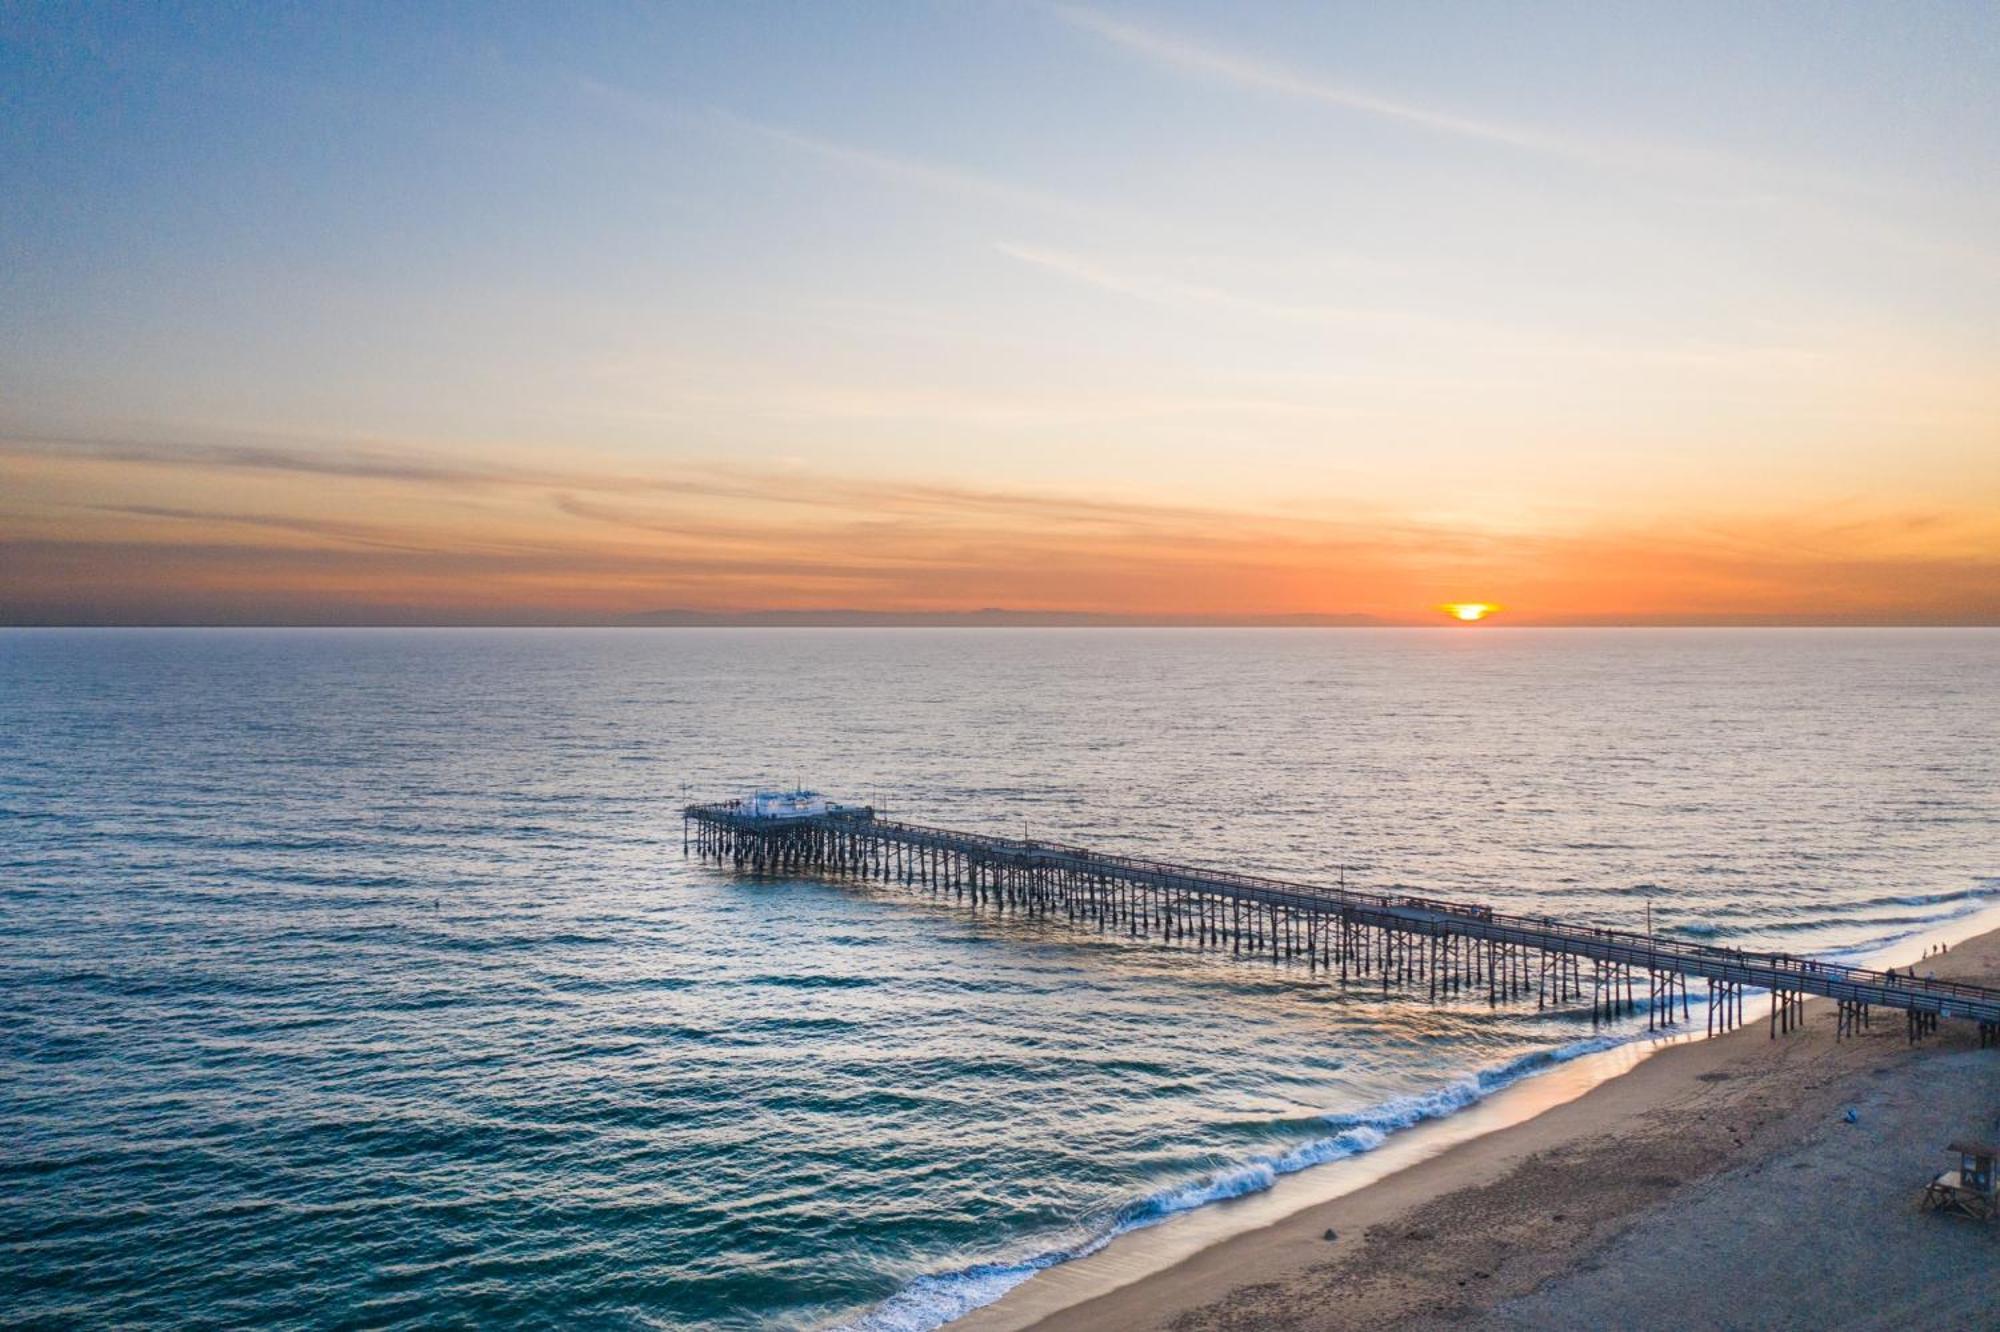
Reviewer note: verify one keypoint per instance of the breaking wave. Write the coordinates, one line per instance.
(937, 1298)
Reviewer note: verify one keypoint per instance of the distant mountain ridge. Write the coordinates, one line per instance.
(987, 617)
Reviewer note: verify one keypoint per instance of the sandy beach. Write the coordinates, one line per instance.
(1719, 1179)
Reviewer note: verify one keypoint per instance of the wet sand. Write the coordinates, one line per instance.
(1719, 1180)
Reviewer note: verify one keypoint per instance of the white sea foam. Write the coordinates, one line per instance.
(931, 1301)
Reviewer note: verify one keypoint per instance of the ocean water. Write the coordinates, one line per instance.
(358, 978)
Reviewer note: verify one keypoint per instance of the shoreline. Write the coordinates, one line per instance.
(1262, 1261)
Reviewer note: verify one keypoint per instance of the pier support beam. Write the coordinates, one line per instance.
(1447, 952)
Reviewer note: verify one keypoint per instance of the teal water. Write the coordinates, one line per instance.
(358, 979)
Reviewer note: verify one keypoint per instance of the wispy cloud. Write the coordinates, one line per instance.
(932, 176)
(1167, 291)
(512, 547)
(360, 534)
(362, 463)
(1512, 339)
(935, 177)
(709, 480)
(1159, 290)
(1189, 56)
(374, 535)
(1185, 54)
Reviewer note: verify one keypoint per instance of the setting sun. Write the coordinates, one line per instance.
(1468, 610)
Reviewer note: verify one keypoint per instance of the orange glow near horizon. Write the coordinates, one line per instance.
(122, 532)
(1469, 611)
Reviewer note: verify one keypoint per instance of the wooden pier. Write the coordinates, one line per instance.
(1450, 951)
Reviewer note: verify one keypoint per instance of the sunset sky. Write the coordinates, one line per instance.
(1602, 313)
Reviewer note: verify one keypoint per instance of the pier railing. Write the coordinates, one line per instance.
(1784, 975)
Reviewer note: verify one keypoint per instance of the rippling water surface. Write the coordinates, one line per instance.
(358, 977)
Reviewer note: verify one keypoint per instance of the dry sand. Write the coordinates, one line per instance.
(1716, 1185)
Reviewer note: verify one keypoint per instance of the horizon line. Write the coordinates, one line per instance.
(1011, 620)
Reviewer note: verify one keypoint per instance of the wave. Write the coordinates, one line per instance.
(1985, 888)
(812, 982)
(930, 1301)
(1970, 902)
(1895, 928)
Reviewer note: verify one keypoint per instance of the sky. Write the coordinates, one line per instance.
(1599, 312)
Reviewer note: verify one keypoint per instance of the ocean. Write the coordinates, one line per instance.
(358, 978)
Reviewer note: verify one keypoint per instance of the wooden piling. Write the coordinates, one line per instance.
(1453, 951)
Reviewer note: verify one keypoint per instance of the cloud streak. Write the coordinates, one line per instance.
(1187, 56)
(450, 543)
(1170, 292)
(930, 176)
(365, 464)
(694, 480)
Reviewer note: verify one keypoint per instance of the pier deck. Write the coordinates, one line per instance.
(1458, 950)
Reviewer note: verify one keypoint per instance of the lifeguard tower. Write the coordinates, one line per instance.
(1968, 1190)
